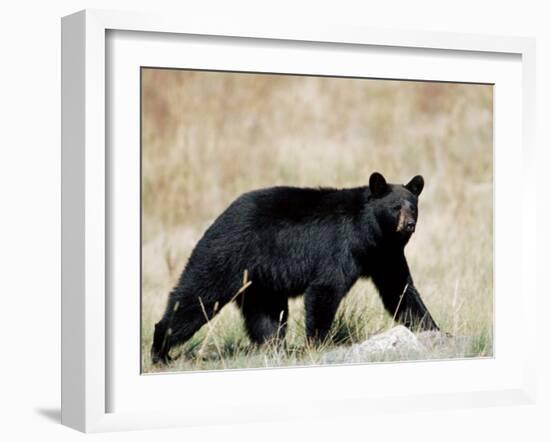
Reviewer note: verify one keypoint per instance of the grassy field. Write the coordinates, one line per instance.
(208, 137)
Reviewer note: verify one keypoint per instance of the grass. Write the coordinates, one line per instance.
(208, 137)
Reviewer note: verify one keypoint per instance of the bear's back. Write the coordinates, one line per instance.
(299, 205)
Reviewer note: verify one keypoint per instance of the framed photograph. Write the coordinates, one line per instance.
(321, 211)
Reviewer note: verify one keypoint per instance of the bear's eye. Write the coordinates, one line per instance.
(397, 207)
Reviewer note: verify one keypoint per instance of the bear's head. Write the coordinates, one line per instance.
(395, 206)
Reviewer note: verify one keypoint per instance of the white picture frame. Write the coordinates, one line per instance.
(87, 205)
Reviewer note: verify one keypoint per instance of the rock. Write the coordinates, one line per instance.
(396, 343)
(400, 344)
(442, 345)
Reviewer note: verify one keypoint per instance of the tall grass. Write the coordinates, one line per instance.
(208, 137)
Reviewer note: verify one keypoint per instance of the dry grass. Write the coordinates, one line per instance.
(208, 137)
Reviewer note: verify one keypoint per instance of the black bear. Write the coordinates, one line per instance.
(292, 241)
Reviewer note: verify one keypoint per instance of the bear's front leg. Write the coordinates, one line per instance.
(321, 302)
(401, 299)
(412, 312)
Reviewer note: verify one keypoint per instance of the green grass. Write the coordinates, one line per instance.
(360, 316)
(208, 137)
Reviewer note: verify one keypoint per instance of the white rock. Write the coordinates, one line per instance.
(399, 338)
(396, 343)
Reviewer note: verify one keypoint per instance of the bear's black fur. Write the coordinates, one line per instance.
(293, 241)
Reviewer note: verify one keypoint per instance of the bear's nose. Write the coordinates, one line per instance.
(409, 227)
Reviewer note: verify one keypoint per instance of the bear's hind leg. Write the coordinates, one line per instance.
(321, 304)
(184, 316)
(265, 315)
(173, 330)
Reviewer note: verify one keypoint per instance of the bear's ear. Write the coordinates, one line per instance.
(377, 184)
(416, 185)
